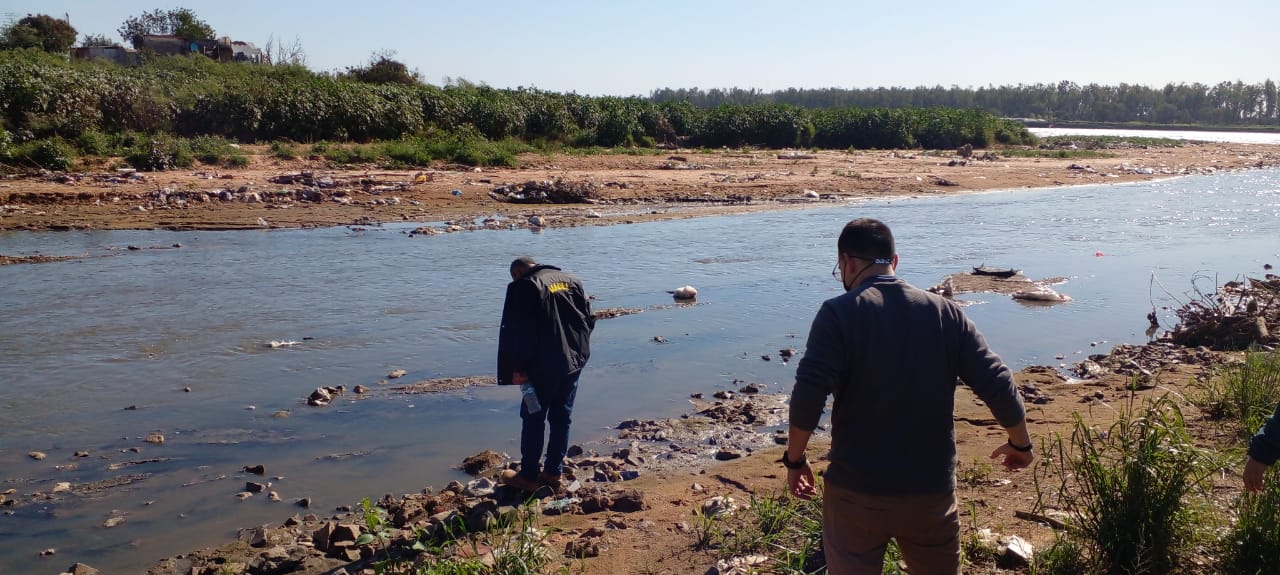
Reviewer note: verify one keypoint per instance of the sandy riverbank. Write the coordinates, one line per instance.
(621, 188)
(648, 524)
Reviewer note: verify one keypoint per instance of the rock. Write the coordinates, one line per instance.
(811, 194)
(36, 455)
(81, 569)
(304, 502)
(786, 354)
(273, 496)
(595, 503)
(82, 453)
(256, 469)
(727, 454)
(322, 536)
(244, 495)
(481, 462)
(719, 505)
(628, 501)
(155, 438)
(397, 374)
(253, 487)
(739, 565)
(113, 521)
(48, 552)
(582, 548)
(536, 221)
(478, 518)
(319, 397)
(345, 532)
(360, 389)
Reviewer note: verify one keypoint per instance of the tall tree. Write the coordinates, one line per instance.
(97, 40)
(382, 69)
(39, 31)
(181, 22)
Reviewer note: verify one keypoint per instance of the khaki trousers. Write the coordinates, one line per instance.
(856, 528)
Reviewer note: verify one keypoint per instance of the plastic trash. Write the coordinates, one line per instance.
(560, 504)
(457, 193)
(530, 398)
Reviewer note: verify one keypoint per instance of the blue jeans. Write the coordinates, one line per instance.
(557, 405)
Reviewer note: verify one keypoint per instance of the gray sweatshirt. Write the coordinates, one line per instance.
(890, 354)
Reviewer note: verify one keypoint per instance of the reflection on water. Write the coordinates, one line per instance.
(99, 352)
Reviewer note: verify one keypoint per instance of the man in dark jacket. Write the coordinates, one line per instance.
(543, 344)
(890, 354)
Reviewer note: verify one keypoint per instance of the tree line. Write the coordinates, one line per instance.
(1223, 104)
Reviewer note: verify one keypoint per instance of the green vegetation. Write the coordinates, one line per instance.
(180, 22)
(1196, 105)
(1054, 153)
(40, 31)
(1243, 395)
(1129, 489)
(1252, 546)
(787, 530)
(44, 97)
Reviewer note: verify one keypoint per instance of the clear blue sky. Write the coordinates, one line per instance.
(630, 48)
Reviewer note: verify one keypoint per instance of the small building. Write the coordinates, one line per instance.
(118, 54)
(223, 49)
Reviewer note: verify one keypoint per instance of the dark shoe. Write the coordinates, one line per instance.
(551, 480)
(512, 478)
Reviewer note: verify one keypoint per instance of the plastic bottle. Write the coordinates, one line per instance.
(530, 398)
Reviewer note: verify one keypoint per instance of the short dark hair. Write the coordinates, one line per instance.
(866, 238)
(522, 263)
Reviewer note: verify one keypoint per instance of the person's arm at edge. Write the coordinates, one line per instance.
(818, 369)
(1264, 449)
(992, 381)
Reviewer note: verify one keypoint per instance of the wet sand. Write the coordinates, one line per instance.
(273, 193)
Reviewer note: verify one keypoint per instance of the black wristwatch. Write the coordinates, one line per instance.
(804, 460)
(1016, 447)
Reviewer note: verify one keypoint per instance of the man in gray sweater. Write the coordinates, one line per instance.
(891, 354)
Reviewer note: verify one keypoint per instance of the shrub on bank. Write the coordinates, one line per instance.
(46, 97)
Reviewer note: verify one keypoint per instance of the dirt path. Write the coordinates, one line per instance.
(624, 188)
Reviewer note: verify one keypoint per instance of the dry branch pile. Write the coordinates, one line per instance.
(1237, 316)
(555, 191)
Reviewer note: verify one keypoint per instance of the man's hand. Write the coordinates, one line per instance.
(519, 378)
(800, 482)
(1253, 470)
(1013, 459)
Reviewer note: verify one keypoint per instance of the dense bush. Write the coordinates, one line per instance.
(42, 96)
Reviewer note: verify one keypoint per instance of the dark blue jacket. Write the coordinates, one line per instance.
(546, 328)
(1265, 446)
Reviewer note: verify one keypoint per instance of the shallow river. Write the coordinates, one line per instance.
(82, 340)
